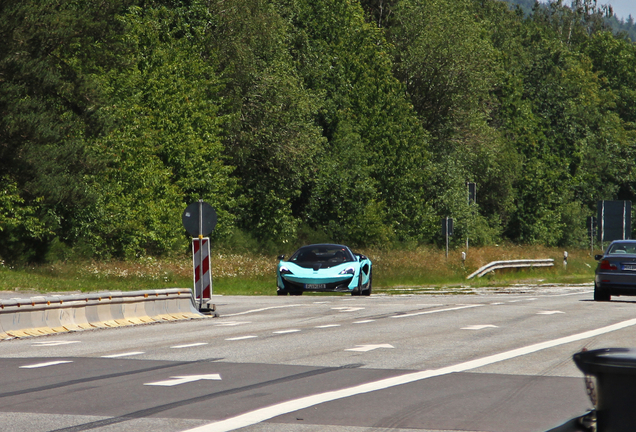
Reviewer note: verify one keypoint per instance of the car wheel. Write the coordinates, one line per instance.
(367, 292)
(358, 290)
(600, 295)
(296, 292)
(281, 292)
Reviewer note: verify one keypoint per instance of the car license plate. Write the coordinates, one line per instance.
(318, 286)
(631, 267)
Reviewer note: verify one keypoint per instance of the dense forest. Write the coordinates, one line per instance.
(357, 121)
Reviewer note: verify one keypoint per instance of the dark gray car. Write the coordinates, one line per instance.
(616, 271)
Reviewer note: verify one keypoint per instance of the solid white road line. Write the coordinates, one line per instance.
(436, 311)
(262, 414)
(133, 353)
(189, 345)
(40, 365)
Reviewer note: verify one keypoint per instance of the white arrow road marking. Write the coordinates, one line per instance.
(133, 353)
(365, 348)
(549, 312)
(240, 338)
(53, 343)
(189, 345)
(479, 327)
(262, 414)
(347, 308)
(362, 322)
(436, 311)
(39, 365)
(231, 323)
(176, 380)
(286, 331)
(328, 326)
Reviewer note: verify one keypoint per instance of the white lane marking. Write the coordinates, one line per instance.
(495, 304)
(347, 308)
(176, 380)
(240, 338)
(568, 294)
(53, 343)
(328, 326)
(549, 312)
(51, 363)
(189, 345)
(133, 353)
(362, 322)
(286, 331)
(436, 311)
(365, 348)
(479, 327)
(262, 414)
(262, 309)
(232, 323)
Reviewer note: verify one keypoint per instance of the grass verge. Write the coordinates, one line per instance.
(424, 269)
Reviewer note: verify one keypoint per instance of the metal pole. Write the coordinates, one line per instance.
(446, 221)
(201, 253)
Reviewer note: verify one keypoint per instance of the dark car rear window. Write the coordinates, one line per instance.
(622, 249)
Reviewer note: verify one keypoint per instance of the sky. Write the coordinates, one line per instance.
(622, 8)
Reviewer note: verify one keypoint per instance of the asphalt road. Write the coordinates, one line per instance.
(492, 361)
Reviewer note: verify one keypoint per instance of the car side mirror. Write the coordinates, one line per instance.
(281, 257)
(598, 257)
(362, 257)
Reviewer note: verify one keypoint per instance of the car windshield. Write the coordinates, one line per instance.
(621, 248)
(327, 255)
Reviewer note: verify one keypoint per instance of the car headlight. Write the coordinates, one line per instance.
(349, 270)
(284, 271)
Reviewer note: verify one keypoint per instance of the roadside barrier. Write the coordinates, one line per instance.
(42, 315)
(496, 265)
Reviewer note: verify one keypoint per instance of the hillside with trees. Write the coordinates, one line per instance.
(356, 121)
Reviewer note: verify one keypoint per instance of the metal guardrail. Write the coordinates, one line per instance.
(496, 265)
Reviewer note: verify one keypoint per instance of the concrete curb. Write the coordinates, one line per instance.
(42, 315)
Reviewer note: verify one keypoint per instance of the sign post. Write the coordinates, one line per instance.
(447, 230)
(199, 220)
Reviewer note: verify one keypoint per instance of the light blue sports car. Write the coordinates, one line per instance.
(324, 268)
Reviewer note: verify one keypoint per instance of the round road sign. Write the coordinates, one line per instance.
(199, 218)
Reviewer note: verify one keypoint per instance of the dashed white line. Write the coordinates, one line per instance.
(262, 414)
(133, 353)
(286, 331)
(327, 326)
(189, 345)
(53, 343)
(240, 338)
(231, 323)
(40, 365)
(363, 321)
(262, 309)
(549, 312)
(437, 311)
(479, 327)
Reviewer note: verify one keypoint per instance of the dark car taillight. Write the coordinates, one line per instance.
(606, 265)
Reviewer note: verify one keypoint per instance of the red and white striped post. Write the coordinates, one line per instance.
(201, 265)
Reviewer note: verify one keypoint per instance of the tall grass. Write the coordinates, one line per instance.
(251, 274)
